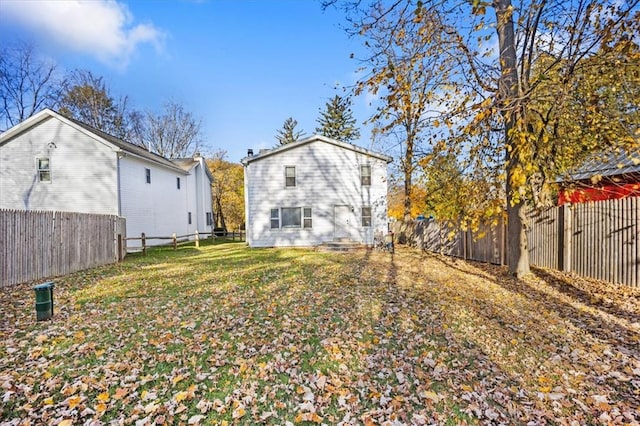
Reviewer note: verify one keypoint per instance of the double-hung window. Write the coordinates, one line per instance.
(147, 175)
(290, 176)
(178, 183)
(275, 218)
(365, 175)
(44, 170)
(366, 216)
(307, 221)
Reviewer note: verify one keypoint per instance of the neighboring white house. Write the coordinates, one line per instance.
(50, 162)
(312, 191)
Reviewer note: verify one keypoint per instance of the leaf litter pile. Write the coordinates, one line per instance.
(228, 335)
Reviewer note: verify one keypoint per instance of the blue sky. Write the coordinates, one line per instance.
(241, 66)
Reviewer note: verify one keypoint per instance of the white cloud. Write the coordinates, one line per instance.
(101, 28)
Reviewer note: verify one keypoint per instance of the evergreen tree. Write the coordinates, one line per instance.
(337, 120)
(288, 133)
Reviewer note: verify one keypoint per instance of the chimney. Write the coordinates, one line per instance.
(249, 153)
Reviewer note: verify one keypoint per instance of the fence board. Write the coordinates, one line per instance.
(599, 240)
(37, 244)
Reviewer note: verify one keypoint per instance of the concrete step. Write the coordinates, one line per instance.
(341, 245)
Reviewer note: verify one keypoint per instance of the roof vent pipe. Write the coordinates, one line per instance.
(249, 153)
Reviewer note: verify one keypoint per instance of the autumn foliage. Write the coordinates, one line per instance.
(228, 335)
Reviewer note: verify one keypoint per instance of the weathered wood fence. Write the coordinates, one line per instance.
(177, 240)
(174, 240)
(37, 244)
(599, 239)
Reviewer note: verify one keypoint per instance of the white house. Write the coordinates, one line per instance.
(50, 162)
(312, 191)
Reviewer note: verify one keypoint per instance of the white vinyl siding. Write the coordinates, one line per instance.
(89, 174)
(326, 176)
(149, 207)
(84, 175)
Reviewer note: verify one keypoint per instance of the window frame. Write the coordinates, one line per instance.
(209, 218)
(42, 171)
(297, 225)
(275, 218)
(306, 218)
(365, 179)
(189, 218)
(287, 177)
(177, 182)
(147, 175)
(363, 216)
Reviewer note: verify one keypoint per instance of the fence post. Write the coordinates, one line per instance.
(175, 241)
(143, 237)
(197, 239)
(119, 247)
(567, 238)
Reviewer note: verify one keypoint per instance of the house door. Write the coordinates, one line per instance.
(343, 220)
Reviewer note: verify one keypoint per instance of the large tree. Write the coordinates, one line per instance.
(28, 83)
(87, 98)
(227, 191)
(405, 72)
(288, 132)
(173, 132)
(336, 120)
(494, 104)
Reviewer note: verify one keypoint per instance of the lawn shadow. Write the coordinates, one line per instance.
(611, 330)
(564, 284)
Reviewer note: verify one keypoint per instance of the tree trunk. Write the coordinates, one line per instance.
(518, 253)
(407, 169)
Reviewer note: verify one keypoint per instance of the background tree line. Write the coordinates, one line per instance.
(29, 83)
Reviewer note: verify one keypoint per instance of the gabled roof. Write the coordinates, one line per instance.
(116, 143)
(611, 164)
(310, 139)
(187, 164)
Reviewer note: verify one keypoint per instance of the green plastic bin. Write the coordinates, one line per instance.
(44, 300)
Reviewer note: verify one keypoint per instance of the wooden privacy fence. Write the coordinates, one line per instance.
(599, 240)
(37, 244)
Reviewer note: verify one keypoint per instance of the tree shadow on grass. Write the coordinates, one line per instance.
(606, 325)
(599, 300)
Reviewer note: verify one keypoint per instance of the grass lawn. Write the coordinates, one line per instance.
(227, 335)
